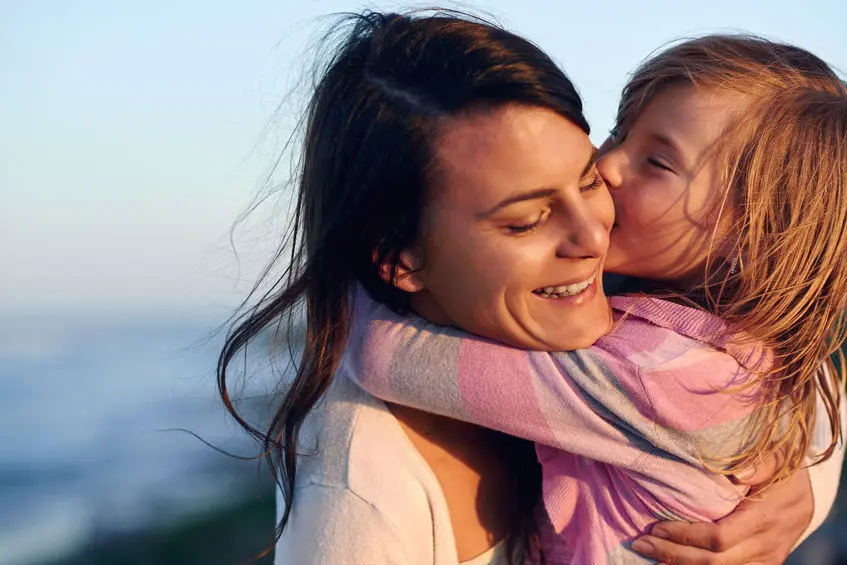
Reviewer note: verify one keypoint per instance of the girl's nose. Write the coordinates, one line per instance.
(610, 166)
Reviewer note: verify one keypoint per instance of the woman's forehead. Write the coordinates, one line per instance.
(512, 149)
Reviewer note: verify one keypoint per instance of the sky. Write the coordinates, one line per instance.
(134, 134)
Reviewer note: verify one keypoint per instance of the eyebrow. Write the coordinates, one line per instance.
(592, 160)
(541, 192)
(665, 140)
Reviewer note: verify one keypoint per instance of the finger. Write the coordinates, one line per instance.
(754, 515)
(666, 551)
(702, 535)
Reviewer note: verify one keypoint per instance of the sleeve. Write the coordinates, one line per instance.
(590, 402)
(333, 525)
(628, 437)
(408, 361)
(825, 476)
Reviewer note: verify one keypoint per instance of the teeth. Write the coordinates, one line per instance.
(566, 290)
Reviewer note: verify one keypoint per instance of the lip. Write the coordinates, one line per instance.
(576, 281)
(583, 297)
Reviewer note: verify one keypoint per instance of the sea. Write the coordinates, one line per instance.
(101, 421)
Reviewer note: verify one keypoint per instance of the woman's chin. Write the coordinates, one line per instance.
(571, 333)
(577, 340)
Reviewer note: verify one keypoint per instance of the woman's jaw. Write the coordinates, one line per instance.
(545, 318)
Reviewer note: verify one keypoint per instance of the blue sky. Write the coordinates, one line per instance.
(132, 134)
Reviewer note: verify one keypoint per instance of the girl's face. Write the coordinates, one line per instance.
(516, 232)
(663, 179)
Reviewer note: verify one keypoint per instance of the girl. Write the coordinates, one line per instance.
(728, 170)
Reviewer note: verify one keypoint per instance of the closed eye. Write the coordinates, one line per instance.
(530, 226)
(595, 184)
(659, 164)
(524, 228)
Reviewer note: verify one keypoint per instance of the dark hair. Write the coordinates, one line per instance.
(364, 176)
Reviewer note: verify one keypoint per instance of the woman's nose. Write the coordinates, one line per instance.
(586, 235)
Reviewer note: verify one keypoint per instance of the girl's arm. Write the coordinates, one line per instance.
(408, 361)
(626, 436)
(590, 402)
(762, 531)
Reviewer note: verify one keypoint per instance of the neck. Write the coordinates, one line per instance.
(424, 305)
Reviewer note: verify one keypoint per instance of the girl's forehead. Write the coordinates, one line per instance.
(690, 104)
(688, 118)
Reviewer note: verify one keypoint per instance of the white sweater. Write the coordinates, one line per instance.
(364, 493)
(365, 496)
(825, 477)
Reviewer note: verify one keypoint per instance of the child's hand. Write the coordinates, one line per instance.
(759, 531)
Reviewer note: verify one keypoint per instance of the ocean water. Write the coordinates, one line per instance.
(88, 406)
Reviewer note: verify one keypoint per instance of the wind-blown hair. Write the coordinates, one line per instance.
(783, 173)
(366, 174)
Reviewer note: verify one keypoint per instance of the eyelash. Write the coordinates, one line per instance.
(658, 165)
(526, 228)
(595, 184)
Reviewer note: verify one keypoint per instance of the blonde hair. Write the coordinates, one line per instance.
(783, 166)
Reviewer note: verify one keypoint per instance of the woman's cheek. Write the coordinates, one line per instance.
(606, 210)
(521, 260)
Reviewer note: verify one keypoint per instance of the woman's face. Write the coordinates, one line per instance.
(663, 179)
(517, 231)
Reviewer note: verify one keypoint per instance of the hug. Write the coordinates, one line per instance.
(468, 392)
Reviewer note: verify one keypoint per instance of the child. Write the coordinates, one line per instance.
(721, 362)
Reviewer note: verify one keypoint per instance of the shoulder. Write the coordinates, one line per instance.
(682, 341)
(687, 370)
(361, 477)
(331, 524)
(353, 441)
(649, 331)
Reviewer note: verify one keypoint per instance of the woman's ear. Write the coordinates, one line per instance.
(406, 270)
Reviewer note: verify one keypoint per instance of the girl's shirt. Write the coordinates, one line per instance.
(626, 431)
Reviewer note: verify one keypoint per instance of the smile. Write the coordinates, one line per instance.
(566, 289)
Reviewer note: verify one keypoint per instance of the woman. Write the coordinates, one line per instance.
(363, 491)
